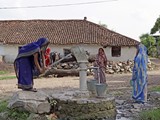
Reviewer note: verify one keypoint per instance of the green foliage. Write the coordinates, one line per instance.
(13, 113)
(156, 26)
(158, 41)
(3, 72)
(3, 106)
(150, 115)
(152, 51)
(157, 88)
(4, 75)
(7, 77)
(18, 115)
(101, 24)
(149, 42)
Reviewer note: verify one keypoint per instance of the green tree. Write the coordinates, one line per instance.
(156, 26)
(149, 42)
(102, 24)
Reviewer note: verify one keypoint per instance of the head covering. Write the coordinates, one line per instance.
(101, 58)
(141, 57)
(42, 42)
(101, 49)
(33, 47)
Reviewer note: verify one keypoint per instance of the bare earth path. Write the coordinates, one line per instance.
(118, 84)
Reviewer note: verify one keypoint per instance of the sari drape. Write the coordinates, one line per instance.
(139, 75)
(100, 62)
(47, 57)
(24, 63)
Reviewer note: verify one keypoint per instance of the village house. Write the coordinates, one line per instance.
(63, 34)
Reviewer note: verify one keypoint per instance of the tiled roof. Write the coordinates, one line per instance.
(61, 32)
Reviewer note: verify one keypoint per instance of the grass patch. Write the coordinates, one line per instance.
(3, 106)
(117, 93)
(3, 72)
(18, 115)
(155, 88)
(150, 115)
(7, 77)
(13, 113)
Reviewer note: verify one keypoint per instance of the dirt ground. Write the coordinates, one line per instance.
(118, 84)
(6, 67)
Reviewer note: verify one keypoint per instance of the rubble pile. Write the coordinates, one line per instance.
(119, 67)
(112, 67)
(125, 67)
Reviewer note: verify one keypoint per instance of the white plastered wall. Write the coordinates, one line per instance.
(127, 53)
(10, 51)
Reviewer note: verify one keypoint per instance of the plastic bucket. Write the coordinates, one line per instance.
(101, 89)
(91, 85)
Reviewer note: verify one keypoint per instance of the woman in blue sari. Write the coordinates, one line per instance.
(139, 75)
(30, 61)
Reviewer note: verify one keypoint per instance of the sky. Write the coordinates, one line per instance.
(131, 18)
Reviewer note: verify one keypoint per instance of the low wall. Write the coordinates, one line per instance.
(70, 107)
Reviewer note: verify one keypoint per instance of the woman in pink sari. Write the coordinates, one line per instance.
(101, 62)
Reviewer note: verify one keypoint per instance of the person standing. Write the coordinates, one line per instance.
(101, 63)
(30, 61)
(47, 57)
(139, 75)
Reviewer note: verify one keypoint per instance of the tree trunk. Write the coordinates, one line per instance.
(62, 72)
